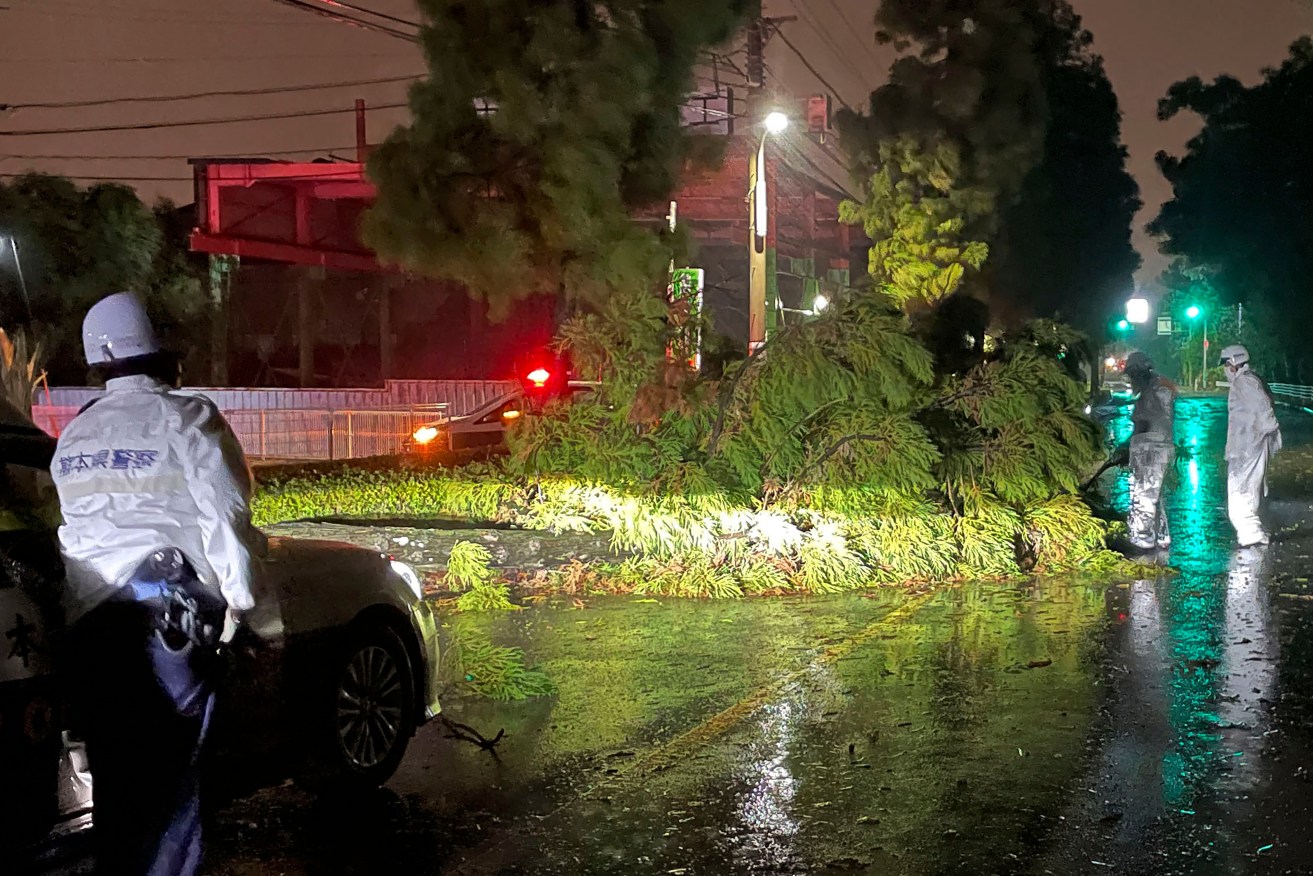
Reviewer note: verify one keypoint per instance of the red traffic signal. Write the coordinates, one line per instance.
(538, 378)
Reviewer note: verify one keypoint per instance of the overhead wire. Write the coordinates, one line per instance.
(197, 95)
(810, 20)
(311, 177)
(250, 153)
(97, 13)
(808, 64)
(374, 12)
(320, 9)
(856, 30)
(188, 123)
(192, 59)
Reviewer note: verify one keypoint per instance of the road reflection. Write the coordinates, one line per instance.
(1198, 661)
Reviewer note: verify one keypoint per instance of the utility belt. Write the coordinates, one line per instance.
(182, 608)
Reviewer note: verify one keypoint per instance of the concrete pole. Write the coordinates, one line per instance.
(756, 252)
(386, 349)
(222, 268)
(309, 283)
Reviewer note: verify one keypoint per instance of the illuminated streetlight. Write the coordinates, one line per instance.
(777, 122)
(820, 303)
(1137, 310)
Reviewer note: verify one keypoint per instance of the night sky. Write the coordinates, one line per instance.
(66, 50)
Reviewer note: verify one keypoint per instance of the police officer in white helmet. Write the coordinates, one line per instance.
(1252, 437)
(161, 561)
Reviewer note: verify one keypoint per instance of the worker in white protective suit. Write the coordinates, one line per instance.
(1252, 437)
(161, 560)
(1152, 452)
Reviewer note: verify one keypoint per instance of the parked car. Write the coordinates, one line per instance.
(485, 426)
(335, 670)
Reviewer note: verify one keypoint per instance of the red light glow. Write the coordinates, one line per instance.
(539, 377)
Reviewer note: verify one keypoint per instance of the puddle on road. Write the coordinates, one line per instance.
(966, 725)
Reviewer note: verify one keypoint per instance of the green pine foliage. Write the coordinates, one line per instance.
(468, 569)
(917, 212)
(538, 128)
(825, 539)
(498, 672)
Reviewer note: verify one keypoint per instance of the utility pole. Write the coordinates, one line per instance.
(222, 268)
(763, 279)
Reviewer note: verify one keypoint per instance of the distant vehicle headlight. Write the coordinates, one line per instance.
(425, 434)
(407, 574)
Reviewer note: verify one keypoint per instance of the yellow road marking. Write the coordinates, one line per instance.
(492, 855)
(677, 748)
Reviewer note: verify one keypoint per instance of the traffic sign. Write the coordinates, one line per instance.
(1164, 325)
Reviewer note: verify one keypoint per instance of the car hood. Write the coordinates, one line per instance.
(323, 584)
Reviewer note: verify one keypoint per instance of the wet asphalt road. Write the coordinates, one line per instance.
(1055, 727)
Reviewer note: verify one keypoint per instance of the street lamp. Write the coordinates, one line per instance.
(758, 257)
(819, 303)
(18, 266)
(1137, 310)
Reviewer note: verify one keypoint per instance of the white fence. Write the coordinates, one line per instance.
(270, 425)
(460, 396)
(299, 435)
(1292, 392)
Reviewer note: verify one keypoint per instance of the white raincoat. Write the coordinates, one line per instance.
(1252, 436)
(1153, 450)
(147, 468)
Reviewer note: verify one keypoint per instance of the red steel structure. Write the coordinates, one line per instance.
(308, 214)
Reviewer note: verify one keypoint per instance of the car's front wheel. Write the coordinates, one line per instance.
(368, 724)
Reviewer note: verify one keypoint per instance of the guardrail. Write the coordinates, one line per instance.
(1292, 392)
(310, 435)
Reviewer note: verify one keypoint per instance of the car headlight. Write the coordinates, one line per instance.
(407, 574)
(425, 434)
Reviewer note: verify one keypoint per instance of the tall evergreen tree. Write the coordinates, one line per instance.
(1240, 202)
(1015, 92)
(539, 127)
(1064, 244)
(969, 75)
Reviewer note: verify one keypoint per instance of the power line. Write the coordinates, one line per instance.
(51, 12)
(374, 12)
(825, 36)
(192, 59)
(317, 9)
(310, 177)
(856, 30)
(188, 123)
(246, 92)
(250, 153)
(814, 71)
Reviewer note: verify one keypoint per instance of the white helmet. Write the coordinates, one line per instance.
(1235, 355)
(117, 328)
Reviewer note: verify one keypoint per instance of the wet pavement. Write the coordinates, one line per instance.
(1050, 727)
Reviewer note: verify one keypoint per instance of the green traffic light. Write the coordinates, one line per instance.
(1193, 311)
(1123, 325)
